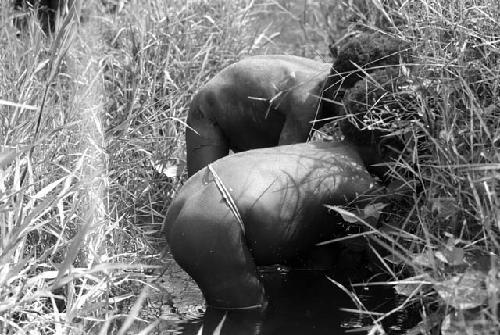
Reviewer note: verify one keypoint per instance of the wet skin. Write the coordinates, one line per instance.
(258, 102)
(280, 194)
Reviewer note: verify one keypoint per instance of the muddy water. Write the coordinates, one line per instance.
(301, 302)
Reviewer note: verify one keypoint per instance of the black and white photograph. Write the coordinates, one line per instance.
(250, 167)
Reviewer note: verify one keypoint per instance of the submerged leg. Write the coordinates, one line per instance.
(205, 142)
(208, 243)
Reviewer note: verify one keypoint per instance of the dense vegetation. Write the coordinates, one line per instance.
(91, 153)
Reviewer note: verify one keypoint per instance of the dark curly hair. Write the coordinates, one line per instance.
(375, 105)
(359, 56)
(368, 51)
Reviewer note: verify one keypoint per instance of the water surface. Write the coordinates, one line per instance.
(301, 302)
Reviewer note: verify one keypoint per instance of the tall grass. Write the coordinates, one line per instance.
(52, 181)
(447, 238)
(92, 151)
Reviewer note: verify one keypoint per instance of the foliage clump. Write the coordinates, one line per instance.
(443, 104)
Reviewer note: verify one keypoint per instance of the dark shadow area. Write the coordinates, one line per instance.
(302, 302)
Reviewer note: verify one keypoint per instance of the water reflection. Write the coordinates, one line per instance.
(301, 302)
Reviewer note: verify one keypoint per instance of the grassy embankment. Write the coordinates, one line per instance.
(447, 235)
(87, 117)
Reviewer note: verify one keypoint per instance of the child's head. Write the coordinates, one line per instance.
(359, 55)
